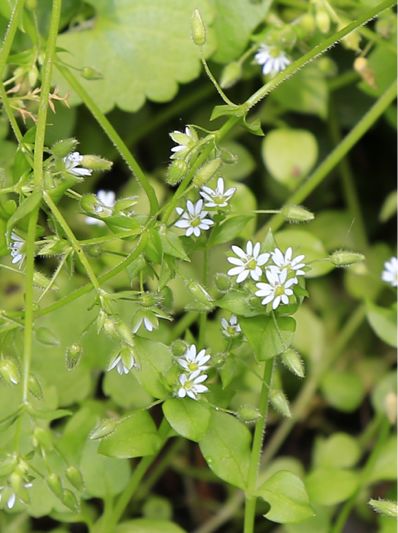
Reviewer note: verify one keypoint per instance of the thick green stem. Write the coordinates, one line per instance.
(113, 136)
(257, 445)
(10, 35)
(334, 157)
(37, 178)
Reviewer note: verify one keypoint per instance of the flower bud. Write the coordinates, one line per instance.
(200, 294)
(179, 347)
(103, 428)
(287, 37)
(89, 203)
(34, 387)
(327, 66)
(176, 171)
(361, 65)
(248, 413)
(54, 483)
(322, 20)
(64, 147)
(292, 360)
(94, 162)
(385, 507)
(306, 25)
(390, 404)
(125, 204)
(75, 477)
(94, 251)
(90, 73)
(206, 172)
(228, 157)
(231, 74)
(69, 500)
(46, 337)
(42, 438)
(223, 282)
(279, 403)
(72, 356)
(110, 327)
(296, 214)
(54, 246)
(343, 258)
(9, 371)
(198, 29)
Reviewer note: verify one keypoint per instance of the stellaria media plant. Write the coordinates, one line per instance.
(164, 332)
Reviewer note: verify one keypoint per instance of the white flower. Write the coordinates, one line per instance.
(185, 141)
(123, 362)
(272, 59)
(217, 197)
(247, 263)
(146, 318)
(231, 327)
(106, 202)
(390, 272)
(285, 262)
(277, 290)
(17, 247)
(193, 220)
(191, 385)
(12, 497)
(192, 361)
(72, 162)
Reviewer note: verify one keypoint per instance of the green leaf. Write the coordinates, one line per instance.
(226, 448)
(229, 228)
(236, 302)
(147, 525)
(234, 24)
(306, 92)
(134, 436)
(329, 486)
(343, 390)
(389, 207)
(125, 390)
(286, 494)
(386, 386)
(227, 111)
(143, 45)
(172, 244)
(187, 417)
(383, 63)
(25, 207)
(385, 466)
(383, 322)
(289, 155)
(155, 361)
(265, 338)
(340, 451)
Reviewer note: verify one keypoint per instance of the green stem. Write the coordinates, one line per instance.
(10, 35)
(113, 136)
(214, 82)
(37, 178)
(334, 157)
(10, 115)
(384, 431)
(250, 506)
(183, 324)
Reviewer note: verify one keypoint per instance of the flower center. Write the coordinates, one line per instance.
(251, 263)
(195, 222)
(279, 290)
(192, 367)
(188, 385)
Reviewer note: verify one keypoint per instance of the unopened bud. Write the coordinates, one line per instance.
(228, 157)
(9, 371)
(279, 403)
(89, 203)
(361, 65)
(352, 40)
(94, 251)
(90, 73)
(46, 337)
(385, 507)
(94, 162)
(179, 347)
(343, 258)
(64, 147)
(198, 29)
(296, 213)
(109, 326)
(104, 428)
(72, 356)
(390, 404)
(176, 171)
(287, 37)
(15, 481)
(306, 25)
(69, 500)
(292, 360)
(206, 172)
(34, 387)
(247, 413)
(327, 66)
(322, 20)
(125, 204)
(54, 482)
(223, 282)
(42, 438)
(231, 74)
(200, 294)
(75, 477)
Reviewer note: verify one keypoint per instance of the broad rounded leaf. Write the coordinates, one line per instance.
(265, 337)
(147, 525)
(143, 49)
(329, 486)
(385, 466)
(343, 390)
(383, 322)
(286, 494)
(226, 448)
(340, 450)
(134, 436)
(187, 417)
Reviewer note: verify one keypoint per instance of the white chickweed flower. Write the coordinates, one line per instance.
(192, 361)
(277, 290)
(72, 162)
(17, 247)
(272, 59)
(191, 385)
(185, 141)
(217, 197)
(390, 272)
(106, 202)
(230, 328)
(193, 220)
(146, 318)
(123, 362)
(247, 263)
(286, 262)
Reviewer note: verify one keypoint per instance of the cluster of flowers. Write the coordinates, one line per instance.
(190, 382)
(281, 275)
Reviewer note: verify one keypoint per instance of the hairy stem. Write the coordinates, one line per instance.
(10, 35)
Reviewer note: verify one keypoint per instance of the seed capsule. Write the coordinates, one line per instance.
(198, 29)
